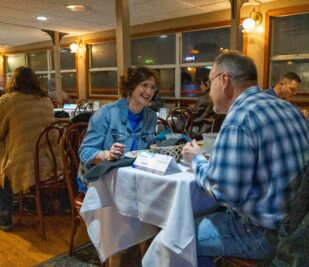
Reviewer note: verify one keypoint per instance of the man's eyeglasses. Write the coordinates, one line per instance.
(209, 81)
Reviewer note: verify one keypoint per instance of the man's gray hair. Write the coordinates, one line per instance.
(240, 67)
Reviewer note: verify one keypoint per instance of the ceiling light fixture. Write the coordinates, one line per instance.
(77, 8)
(75, 46)
(253, 21)
(41, 18)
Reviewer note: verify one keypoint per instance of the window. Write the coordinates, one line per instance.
(15, 61)
(154, 50)
(180, 60)
(42, 63)
(37, 61)
(287, 30)
(199, 49)
(103, 70)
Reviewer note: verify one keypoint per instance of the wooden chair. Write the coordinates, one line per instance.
(70, 144)
(83, 106)
(237, 262)
(50, 138)
(217, 122)
(162, 125)
(180, 120)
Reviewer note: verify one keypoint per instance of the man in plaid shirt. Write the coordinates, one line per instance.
(262, 146)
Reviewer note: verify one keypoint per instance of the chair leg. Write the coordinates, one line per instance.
(20, 207)
(40, 214)
(73, 232)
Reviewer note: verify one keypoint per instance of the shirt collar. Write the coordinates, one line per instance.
(244, 95)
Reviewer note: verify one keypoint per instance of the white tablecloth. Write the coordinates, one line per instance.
(127, 206)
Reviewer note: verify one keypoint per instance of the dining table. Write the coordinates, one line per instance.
(127, 206)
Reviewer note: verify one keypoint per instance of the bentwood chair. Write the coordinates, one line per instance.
(46, 152)
(83, 106)
(162, 125)
(180, 120)
(70, 144)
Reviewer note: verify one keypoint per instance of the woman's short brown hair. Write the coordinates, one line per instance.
(135, 76)
(24, 80)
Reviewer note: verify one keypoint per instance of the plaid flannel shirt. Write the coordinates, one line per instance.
(260, 149)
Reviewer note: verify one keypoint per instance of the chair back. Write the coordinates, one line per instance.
(217, 122)
(162, 125)
(83, 106)
(180, 120)
(70, 144)
(47, 144)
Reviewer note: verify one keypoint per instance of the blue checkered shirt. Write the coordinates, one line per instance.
(262, 146)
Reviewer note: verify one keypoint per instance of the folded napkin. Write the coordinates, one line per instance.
(96, 171)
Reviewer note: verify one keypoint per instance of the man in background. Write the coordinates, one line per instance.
(286, 87)
(51, 84)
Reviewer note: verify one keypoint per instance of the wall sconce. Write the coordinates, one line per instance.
(253, 21)
(74, 47)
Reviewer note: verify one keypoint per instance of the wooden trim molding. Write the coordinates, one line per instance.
(268, 26)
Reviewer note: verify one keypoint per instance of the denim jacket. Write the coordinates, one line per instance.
(110, 124)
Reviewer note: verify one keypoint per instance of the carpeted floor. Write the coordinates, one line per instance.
(84, 256)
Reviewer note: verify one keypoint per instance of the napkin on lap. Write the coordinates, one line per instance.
(96, 171)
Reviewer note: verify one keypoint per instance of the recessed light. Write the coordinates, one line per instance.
(42, 18)
(77, 8)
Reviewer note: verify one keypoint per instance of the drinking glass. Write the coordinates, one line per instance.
(208, 142)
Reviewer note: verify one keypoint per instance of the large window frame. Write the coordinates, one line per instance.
(49, 73)
(176, 67)
(268, 59)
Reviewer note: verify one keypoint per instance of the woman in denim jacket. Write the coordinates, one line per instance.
(125, 125)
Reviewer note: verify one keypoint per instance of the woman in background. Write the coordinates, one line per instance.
(25, 110)
(125, 125)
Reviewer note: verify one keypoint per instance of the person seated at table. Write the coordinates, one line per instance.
(51, 84)
(125, 125)
(202, 113)
(261, 147)
(286, 87)
(25, 111)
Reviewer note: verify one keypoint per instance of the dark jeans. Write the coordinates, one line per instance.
(6, 198)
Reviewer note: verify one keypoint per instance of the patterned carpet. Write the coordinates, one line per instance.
(84, 256)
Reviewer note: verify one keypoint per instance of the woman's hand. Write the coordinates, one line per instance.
(116, 151)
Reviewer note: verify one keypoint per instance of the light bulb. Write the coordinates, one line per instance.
(248, 24)
(74, 47)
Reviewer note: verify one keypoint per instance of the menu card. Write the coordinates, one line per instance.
(156, 163)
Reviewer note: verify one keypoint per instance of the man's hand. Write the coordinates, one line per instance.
(190, 150)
